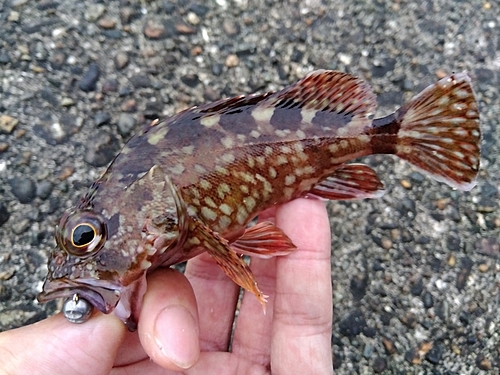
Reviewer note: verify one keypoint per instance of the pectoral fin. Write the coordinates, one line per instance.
(349, 181)
(264, 240)
(227, 259)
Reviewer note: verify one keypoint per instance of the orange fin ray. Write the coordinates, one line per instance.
(349, 181)
(264, 240)
(230, 262)
(440, 133)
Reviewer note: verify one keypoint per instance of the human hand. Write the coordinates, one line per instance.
(186, 321)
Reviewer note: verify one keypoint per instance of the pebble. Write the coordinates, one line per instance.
(44, 189)
(121, 60)
(93, 12)
(231, 28)
(140, 81)
(126, 124)
(4, 146)
(184, 29)
(101, 118)
(20, 226)
(67, 102)
(193, 18)
(217, 69)
(129, 106)
(428, 300)
(89, 80)
(482, 362)
(483, 267)
(101, 149)
(416, 355)
(66, 172)
(358, 286)
(190, 80)
(465, 269)
(8, 124)
(4, 57)
(107, 23)
(110, 85)
(154, 30)
(379, 365)
(389, 346)
(126, 14)
(232, 61)
(23, 188)
(353, 324)
(368, 351)
(4, 214)
(199, 9)
(13, 16)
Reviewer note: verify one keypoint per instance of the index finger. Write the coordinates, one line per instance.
(303, 303)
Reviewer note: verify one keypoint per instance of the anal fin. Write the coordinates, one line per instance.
(227, 259)
(349, 181)
(264, 240)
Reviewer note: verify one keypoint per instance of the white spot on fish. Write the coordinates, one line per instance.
(241, 215)
(200, 168)
(272, 172)
(227, 142)
(268, 150)
(154, 138)
(145, 264)
(209, 121)
(226, 209)
(188, 150)
(300, 134)
(228, 158)
(286, 150)
(208, 213)
(210, 202)
(307, 116)
(224, 222)
(177, 169)
(221, 170)
(261, 160)
(255, 134)
(244, 189)
(344, 144)
(281, 159)
(333, 148)
(205, 184)
(251, 161)
(250, 203)
(261, 114)
(290, 179)
(282, 133)
(223, 189)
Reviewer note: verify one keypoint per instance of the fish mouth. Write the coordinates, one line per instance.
(103, 298)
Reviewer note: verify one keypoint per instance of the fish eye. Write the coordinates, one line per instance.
(81, 233)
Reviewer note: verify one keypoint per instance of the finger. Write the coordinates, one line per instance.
(168, 325)
(55, 346)
(216, 296)
(303, 303)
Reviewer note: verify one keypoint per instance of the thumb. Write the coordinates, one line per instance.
(55, 346)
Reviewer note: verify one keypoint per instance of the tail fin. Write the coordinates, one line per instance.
(440, 132)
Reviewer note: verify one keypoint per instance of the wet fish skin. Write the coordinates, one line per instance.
(192, 183)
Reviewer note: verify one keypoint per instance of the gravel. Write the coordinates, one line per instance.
(415, 274)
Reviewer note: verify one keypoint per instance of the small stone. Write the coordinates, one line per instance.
(464, 272)
(482, 362)
(94, 11)
(129, 106)
(442, 203)
(66, 172)
(488, 246)
(23, 188)
(232, 61)
(406, 184)
(217, 69)
(441, 73)
(4, 146)
(121, 60)
(4, 214)
(484, 267)
(4, 57)
(67, 102)
(197, 50)
(126, 14)
(353, 324)
(110, 85)
(182, 28)
(389, 346)
(140, 81)
(13, 16)
(416, 355)
(89, 80)
(358, 286)
(7, 124)
(126, 124)
(386, 242)
(417, 287)
(21, 226)
(452, 261)
(231, 28)
(190, 80)
(428, 300)
(193, 18)
(379, 365)
(101, 149)
(107, 23)
(154, 30)
(102, 118)
(368, 351)
(409, 320)
(44, 189)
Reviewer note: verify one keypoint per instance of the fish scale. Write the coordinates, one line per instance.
(193, 182)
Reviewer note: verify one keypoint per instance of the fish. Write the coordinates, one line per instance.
(196, 181)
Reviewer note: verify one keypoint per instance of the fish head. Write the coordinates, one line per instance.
(105, 249)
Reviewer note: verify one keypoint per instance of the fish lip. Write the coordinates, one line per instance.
(102, 298)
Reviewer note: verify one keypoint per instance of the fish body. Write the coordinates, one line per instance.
(193, 182)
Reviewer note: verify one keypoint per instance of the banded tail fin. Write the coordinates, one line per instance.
(440, 133)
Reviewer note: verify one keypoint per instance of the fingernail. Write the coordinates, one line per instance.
(176, 335)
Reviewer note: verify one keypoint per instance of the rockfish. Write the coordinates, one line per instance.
(193, 182)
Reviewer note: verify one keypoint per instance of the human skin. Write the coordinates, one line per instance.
(186, 320)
